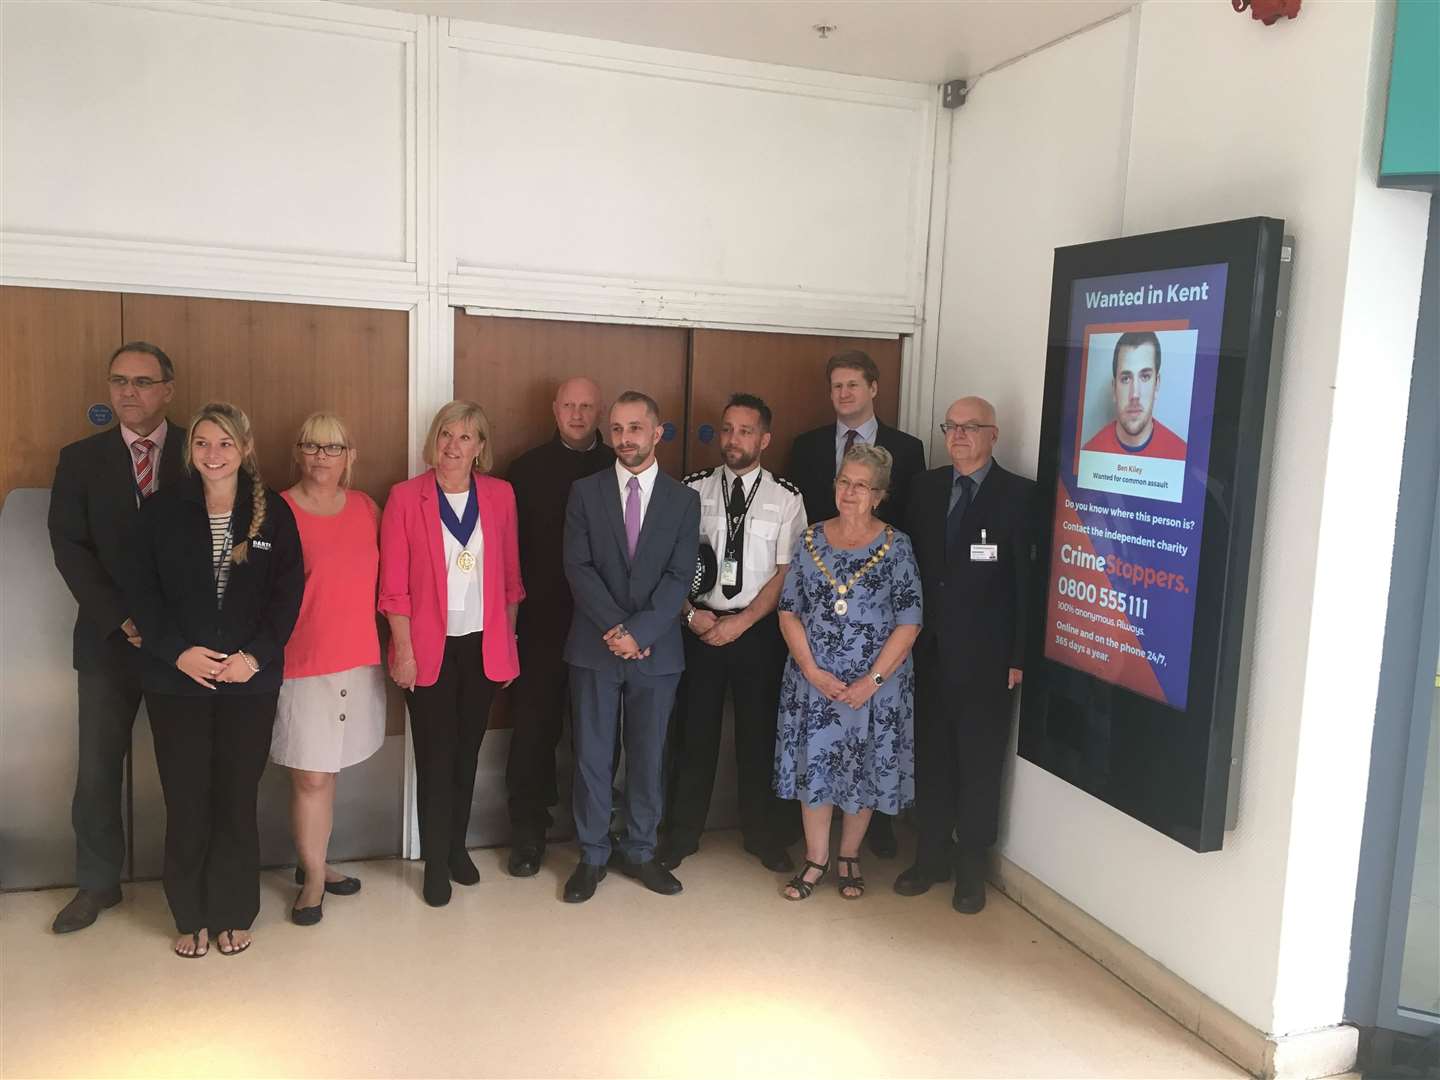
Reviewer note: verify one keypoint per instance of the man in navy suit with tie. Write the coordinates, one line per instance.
(94, 504)
(972, 525)
(631, 535)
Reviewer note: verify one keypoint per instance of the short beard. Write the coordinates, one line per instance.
(746, 460)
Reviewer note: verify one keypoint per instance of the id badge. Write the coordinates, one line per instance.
(729, 572)
(984, 552)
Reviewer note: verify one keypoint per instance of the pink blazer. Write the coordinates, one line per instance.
(413, 572)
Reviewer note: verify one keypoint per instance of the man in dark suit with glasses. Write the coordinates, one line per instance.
(100, 483)
(971, 523)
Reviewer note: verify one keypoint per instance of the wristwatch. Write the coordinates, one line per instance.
(690, 617)
(877, 678)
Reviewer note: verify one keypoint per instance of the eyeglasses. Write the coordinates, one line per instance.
(857, 486)
(140, 382)
(970, 428)
(331, 449)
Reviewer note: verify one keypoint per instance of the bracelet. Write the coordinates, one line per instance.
(250, 663)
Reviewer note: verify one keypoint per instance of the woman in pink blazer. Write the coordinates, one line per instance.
(450, 587)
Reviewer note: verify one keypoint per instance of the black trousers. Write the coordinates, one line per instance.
(539, 705)
(212, 752)
(751, 667)
(447, 724)
(961, 732)
(109, 696)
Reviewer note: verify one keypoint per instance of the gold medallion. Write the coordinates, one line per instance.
(842, 587)
(465, 561)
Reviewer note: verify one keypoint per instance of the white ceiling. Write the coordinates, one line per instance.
(915, 40)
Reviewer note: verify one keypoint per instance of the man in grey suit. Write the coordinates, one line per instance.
(631, 535)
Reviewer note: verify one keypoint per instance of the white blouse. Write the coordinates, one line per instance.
(465, 589)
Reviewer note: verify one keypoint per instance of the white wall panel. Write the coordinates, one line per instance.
(582, 181)
(209, 126)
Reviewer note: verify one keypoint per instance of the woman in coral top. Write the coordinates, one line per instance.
(450, 586)
(332, 704)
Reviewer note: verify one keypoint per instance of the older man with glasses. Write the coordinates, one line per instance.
(100, 483)
(971, 523)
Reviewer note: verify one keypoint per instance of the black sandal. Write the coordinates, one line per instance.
(800, 885)
(199, 952)
(853, 880)
(234, 950)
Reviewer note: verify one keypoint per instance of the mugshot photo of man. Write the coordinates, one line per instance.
(1134, 388)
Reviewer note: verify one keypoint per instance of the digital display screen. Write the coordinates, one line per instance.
(1159, 386)
(1137, 416)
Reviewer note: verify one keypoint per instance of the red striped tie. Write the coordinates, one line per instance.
(144, 471)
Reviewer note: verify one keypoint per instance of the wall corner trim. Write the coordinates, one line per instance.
(1304, 1056)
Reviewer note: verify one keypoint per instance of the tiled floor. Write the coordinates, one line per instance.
(725, 980)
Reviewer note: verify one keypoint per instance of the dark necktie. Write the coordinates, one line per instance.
(953, 536)
(850, 437)
(735, 537)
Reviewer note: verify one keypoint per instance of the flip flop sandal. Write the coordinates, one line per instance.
(803, 887)
(234, 950)
(199, 952)
(852, 880)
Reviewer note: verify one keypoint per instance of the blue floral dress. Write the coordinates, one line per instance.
(826, 752)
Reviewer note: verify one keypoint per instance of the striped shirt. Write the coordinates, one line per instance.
(220, 545)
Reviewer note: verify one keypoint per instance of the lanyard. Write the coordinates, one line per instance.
(732, 522)
(462, 528)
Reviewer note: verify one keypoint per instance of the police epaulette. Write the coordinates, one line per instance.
(787, 485)
(698, 475)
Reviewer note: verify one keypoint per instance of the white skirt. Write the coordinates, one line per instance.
(326, 723)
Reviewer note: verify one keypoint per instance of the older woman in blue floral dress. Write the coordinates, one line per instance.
(850, 612)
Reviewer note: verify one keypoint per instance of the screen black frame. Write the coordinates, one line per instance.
(1166, 767)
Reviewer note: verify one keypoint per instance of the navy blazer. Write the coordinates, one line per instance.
(94, 514)
(975, 612)
(645, 594)
(812, 468)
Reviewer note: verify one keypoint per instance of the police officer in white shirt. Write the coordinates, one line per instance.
(752, 520)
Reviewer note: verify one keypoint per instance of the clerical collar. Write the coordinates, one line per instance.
(594, 442)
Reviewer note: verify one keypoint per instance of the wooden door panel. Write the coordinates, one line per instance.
(788, 371)
(513, 366)
(280, 363)
(53, 348)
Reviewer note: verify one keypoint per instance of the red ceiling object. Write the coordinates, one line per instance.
(1268, 11)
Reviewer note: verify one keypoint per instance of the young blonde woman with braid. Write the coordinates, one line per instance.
(216, 589)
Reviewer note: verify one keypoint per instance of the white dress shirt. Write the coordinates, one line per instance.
(647, 486)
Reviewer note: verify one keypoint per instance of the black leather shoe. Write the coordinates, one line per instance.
(84, 909)
(915, 881)
(772, 856)
(650, 874)
(880, 837)
(582, 883)
(969, 896)
(346, 886)
(463, 869)
(307, 916)
(437, 883)
(525, 860)
(668, 857)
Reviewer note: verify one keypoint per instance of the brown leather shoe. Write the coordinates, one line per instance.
(84, 909)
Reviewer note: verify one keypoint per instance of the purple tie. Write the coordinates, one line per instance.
(632, 514)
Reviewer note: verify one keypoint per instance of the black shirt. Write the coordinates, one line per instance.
(541, 478)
